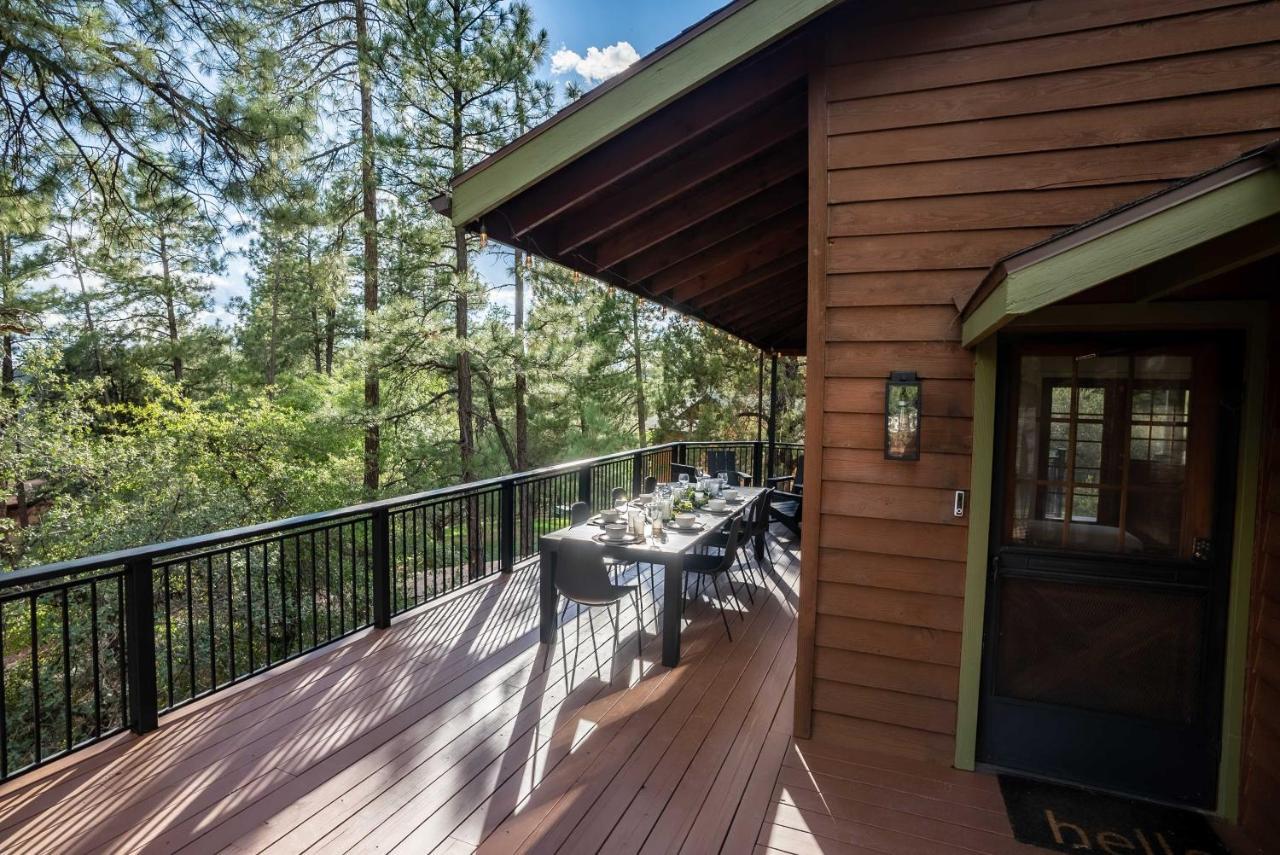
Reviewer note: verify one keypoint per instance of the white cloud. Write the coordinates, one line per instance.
(599, 63)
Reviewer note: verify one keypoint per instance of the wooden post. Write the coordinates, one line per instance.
(140, 646)
(381, 555)
(773, 417)
(584, 484)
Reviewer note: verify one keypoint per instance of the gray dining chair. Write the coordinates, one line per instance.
(651, 484)
(579, 512)
(715, 566)
(581, 578)
(755, 522)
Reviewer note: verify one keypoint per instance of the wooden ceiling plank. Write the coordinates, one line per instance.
(705, 201)
(727, 251)
(722, 226)
(785, 243)
(707, 157)
(699, 112)
(753, 288)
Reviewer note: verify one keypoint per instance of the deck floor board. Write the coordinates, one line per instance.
(456, 731)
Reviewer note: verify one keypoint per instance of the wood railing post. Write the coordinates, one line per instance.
(140, 645)
(757, 463)
(637, 474)
(584, 484)
(507, 527)
(381, 548)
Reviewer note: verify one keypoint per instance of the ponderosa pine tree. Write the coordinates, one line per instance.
(468, 68)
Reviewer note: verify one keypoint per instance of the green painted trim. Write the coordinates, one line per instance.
(1242, 557)
(1249, 316)
(718, 47)
(975, 574)
(1126, 249)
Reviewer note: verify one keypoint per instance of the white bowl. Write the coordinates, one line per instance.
(609, 515)
(686, 519)
(716, 505)
(615, 531)
(730, 494)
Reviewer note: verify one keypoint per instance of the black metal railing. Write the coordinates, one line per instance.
(93, 646)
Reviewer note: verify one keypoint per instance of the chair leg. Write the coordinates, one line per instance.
(747, 582)
(719, 602)
(653, 597)
(639, 626)
(737, 602)
(595, 646)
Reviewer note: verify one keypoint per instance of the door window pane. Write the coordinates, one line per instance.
(1100, 452)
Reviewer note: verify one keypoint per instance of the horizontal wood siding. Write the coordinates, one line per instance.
(1260, 769)
(955, 135)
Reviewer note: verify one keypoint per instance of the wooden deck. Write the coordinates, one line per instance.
(451, 732)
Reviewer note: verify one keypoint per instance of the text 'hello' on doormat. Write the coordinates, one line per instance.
(1069, 819)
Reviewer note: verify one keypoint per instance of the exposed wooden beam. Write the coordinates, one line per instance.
(773, 306)
(699, 162)
(784, 321)
(782, 283)
(701, 111)
(722, 226)
(704, 201)
(726, 251)
(783, 243)
(784, 264)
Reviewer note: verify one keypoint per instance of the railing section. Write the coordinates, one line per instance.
(91, 647)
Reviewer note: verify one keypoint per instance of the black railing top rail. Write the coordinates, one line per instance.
(194, 543)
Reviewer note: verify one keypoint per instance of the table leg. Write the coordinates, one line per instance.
(672, 610)
(547, 595)
(759, 536)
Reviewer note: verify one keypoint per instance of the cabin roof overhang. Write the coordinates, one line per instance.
(683, 180)
(1240, 199)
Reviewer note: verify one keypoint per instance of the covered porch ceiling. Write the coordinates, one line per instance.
(700, 204)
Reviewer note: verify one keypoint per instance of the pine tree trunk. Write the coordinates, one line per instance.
(466, 417)
(273, 337)
(170, 310)
(6, 344)
(369, 193)
(330, 321)
(642, 416)
(521, 384)
(89, 325)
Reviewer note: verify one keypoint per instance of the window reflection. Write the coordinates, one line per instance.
(1100, 452)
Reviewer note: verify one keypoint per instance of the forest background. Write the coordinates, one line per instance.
(149, 147)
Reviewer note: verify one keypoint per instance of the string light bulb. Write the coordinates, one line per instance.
(484, 236)
(528, 261)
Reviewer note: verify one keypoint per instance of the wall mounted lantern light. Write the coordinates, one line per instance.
(902, 410)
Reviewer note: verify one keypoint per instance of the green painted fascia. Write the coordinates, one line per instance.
(1242, 556)
(975, 575)
(718, 47)
(1190, 223)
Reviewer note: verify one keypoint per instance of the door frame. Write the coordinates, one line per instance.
(1250, 317)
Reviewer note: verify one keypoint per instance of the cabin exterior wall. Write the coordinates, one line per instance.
(943, 141)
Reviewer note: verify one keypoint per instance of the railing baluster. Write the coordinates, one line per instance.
(140, 635)
(213, 649)
(507, 527)
(66, 662)
(4, 708)
(35, 674)
(97, 672)
(381, 549)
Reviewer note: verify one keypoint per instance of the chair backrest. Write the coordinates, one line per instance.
(731, 544)
(580, 572)
(760, 516)
(691, 471)
(617, 495)
(651, 484)
(731, 477)
(723, 461)
(579, 512)
(799, 482)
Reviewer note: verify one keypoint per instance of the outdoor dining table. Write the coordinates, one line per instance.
(668, 549)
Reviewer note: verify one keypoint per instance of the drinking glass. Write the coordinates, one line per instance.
(684, 479)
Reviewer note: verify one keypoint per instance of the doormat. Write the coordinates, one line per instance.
(1069, 819)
